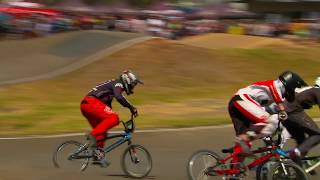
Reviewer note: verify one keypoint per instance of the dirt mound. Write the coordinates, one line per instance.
(35, 57)
(220, 41)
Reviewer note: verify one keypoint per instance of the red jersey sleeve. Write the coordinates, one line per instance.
(272, 87)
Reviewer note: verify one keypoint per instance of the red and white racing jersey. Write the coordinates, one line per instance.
(256, 97)
(264, 93)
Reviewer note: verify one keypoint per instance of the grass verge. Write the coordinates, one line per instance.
(184, 86)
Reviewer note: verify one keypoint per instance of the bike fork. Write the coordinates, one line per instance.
(133, 155)
(284, 168)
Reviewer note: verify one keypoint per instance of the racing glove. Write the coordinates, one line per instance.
(282, 115)
(134, 111)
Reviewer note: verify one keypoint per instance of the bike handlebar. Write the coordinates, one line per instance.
(129, 125)
(277, 141)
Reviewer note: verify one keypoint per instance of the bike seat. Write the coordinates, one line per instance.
(228, 150)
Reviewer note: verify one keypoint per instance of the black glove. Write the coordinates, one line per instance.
(282, 115)
(134, 111)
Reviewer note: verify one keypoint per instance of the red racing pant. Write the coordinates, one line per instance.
(100, 116)
(246, 116)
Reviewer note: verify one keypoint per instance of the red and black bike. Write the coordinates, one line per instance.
(206, 164)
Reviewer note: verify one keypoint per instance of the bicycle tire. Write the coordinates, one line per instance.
(141, 160)
(58, 159)
(192, 162)
(276, 169)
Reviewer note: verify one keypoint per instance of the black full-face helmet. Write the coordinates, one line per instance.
(291, 81)
(317, 82)
(129, 81)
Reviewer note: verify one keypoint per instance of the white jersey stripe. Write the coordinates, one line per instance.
(252, 110)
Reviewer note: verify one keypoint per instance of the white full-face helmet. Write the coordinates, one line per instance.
(129, 81)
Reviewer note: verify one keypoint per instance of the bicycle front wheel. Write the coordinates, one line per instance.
(199, 164)
(286, 170)
(136, 161)
(71, 155)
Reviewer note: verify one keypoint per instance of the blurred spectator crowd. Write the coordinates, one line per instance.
(22, 25)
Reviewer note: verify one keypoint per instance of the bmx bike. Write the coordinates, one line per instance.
(136, 161)
(206, 164)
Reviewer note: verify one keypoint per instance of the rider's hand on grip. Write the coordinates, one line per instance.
(282, 115)
(134, 111)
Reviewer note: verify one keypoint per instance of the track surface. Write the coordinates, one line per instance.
(30, 159)
(58, 54)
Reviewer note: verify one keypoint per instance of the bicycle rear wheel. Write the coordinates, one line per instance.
(286, 170)
(71, 155)
(199, 164)
(136, 161)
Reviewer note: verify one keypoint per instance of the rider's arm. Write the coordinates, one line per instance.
(282, 115)
(275, 89)
(281, 107)
(272, 108)
(118, 89)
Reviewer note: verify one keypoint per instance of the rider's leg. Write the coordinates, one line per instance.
(285, 136)
(310, 128)
(271, 127)
(239, 156)
(250, 109)
(241, 125)
(245, 112)
(305, 124)
(88, 107)
(111, 119)
(298, 136)
(103, 127)
(100, 117)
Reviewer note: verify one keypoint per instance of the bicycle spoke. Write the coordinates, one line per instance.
(71, 155)
(206, 161)
(199, 164)
(287, 171)
(136, 161)
(202, 176)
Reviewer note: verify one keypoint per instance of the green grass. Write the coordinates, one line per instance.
(184, 86)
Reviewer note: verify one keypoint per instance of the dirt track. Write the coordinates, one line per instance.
(44, 58)
(221, 41)
(31, 159)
